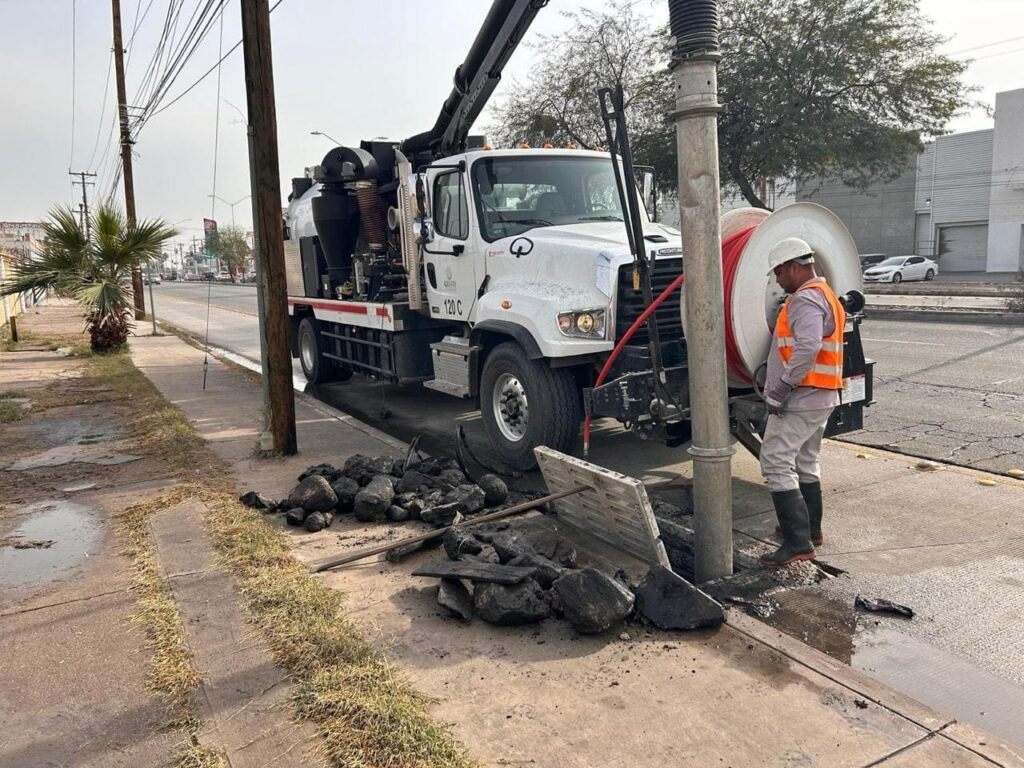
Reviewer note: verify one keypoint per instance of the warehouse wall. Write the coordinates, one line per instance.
(1006, 204)
(881, 220)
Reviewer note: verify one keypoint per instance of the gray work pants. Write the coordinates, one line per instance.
(789, 452)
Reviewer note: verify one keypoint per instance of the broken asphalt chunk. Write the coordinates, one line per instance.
(363, 469)
(453, 595)
(510, 605)
(474, 570)
(458, 542)
(881, 605)
(494, 488)
(295, 516)
(345, 488)
(313, 494)
(317, 521)
(592, 601)
(372, 502)
(256, 500)
(668, 601)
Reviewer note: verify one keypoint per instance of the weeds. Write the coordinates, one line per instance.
(1015, 302)
(10, 412)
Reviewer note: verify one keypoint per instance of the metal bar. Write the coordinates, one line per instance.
(526, 506)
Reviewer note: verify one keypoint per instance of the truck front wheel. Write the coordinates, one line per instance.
(525, 403)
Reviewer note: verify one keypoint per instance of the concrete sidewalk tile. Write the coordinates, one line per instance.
(243, 694)
(990, 746)
(936, 751)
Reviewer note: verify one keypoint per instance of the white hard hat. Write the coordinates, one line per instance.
(787, 250)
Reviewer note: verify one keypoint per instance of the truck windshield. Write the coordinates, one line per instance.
(514, 194)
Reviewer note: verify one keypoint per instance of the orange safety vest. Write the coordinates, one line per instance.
(827, 371)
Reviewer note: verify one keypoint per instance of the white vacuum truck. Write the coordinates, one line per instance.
(509, 276)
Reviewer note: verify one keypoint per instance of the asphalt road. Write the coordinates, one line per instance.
(951, 392)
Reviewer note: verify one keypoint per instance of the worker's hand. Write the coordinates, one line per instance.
(775, 398)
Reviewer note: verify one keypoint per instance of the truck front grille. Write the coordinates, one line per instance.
(630, 304)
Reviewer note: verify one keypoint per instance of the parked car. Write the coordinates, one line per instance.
(869, 259)
(896, 269)
(154, 280)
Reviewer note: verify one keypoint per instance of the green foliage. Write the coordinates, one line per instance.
(839, 88)
(843, 88)
(93, 269)
(231, 247)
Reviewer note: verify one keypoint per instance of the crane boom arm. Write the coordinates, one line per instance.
(476, 78)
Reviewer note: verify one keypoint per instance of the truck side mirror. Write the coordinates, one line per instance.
(650, 195)
(424, 227)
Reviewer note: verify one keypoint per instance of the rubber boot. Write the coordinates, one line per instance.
(796, 542)
(812, 498)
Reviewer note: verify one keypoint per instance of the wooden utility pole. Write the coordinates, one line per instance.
(268, 231)
(85, 198)
(126, 154)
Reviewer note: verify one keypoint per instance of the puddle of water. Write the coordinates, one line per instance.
(76, 532)
(941, 680)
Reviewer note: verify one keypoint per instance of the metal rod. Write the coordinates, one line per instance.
(526, 506)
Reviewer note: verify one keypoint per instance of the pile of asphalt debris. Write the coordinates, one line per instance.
(491, 571)
(381, 488)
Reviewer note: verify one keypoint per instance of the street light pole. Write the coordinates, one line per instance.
(329, 138)
(231, 205)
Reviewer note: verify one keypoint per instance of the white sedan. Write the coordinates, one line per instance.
(899, 268)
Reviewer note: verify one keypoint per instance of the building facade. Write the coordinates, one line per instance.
(19, 241)
(960, 201)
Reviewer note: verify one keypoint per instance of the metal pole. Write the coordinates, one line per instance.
(696, 116)
(152, 304)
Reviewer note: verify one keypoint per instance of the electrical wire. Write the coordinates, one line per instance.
(103, 108)
(984, 45)
(74, 56)
(208, 72)
(216, 123)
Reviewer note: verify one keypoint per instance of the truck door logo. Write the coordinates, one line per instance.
(521, 246)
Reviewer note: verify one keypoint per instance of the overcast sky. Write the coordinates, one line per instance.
(351, 68)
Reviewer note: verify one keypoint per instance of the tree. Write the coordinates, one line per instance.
(231, 247)
(603, 48)
(96, 270)
(841, 88)
(838, 88)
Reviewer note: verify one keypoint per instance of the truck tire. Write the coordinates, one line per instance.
(316, 368)
(525, 403)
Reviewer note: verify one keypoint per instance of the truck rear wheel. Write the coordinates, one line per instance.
(524, 403)
(316, 368)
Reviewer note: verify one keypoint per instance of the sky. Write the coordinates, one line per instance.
(348, 68)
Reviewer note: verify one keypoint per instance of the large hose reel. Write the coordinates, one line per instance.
(753, 298)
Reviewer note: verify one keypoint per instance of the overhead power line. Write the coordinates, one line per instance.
(208, 72)
(985, 45)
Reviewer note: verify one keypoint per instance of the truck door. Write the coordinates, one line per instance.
(449, 258)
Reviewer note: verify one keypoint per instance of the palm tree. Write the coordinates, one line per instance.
(94, 269)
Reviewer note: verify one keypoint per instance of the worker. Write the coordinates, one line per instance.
(804, 378)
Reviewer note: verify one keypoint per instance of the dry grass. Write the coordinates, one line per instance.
(367, 712)
(12, 393)
(10, 412)
(199, 756)
(172, 674)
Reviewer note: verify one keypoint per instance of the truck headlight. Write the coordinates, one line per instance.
(587, 323)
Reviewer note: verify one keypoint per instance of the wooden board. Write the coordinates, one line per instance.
(475, 571)
(616, 510)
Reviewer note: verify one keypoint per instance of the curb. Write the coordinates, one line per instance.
(995, 317)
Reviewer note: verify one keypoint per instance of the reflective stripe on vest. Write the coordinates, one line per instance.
(827, 371)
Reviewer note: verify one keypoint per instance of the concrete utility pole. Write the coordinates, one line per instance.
(85, 198)
(268, 230)
(126, 154)
(694, 25)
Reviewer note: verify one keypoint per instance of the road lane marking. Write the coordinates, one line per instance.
(897, 341)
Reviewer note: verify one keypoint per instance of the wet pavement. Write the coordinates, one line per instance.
(74, 532)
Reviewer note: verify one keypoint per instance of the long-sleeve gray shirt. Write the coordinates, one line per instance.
(810, 320)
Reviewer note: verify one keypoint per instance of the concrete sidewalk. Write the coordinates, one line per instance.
(745, 694)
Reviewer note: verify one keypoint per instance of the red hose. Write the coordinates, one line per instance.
(732, 248)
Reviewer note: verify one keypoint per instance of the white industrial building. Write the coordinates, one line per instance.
(960, 201)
